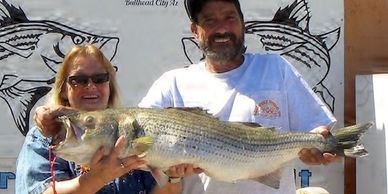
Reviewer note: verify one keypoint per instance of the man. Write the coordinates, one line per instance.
(239, 87)
(234, 86)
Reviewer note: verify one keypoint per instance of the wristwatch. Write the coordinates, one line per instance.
(174, 180)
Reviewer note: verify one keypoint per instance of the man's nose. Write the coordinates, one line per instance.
(221, 28)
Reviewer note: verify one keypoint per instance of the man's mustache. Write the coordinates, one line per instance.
(229, 35)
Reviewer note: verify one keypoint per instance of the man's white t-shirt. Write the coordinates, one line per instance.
(265, 89)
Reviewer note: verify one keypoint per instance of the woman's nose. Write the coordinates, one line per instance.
(90, 84)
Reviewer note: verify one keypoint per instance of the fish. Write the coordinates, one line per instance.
(288, 35)
(227, 151)
(31, 52)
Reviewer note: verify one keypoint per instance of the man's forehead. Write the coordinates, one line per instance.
(209, 11)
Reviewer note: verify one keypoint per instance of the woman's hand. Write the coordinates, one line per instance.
(45, 118)
(111, 166)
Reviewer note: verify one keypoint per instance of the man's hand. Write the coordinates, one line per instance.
(314, 156)
(183, 170)
(45, 118)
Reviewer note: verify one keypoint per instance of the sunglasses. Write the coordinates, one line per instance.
(83, 80)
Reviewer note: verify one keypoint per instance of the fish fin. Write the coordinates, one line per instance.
(296, 15)
(326, 96)
(191, 50)
(51, 64)
(195, 110)
(20, 103)
(141, 145)
(254, 126)
(356, 151)
(249, 124)
(331, 38)
(345, 141)
(9, 81)
(271, 180)
(11, 15)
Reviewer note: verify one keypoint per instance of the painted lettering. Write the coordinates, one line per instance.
(163, 3)
(4, 176)
(173, 3)
(304, 178)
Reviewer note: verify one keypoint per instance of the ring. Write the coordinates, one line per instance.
(122, 165)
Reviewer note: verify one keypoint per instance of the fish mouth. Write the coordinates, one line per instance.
(68, 133)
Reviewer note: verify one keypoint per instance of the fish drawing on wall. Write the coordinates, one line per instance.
(288, 34)
(30, 54)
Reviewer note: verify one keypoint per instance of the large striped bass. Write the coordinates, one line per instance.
(227, 151)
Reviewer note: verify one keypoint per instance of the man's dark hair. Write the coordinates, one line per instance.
(194, 7)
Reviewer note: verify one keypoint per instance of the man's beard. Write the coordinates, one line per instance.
(222, 54)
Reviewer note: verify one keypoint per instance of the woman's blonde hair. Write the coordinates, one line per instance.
(61, 76)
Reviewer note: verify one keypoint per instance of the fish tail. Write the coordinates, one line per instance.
(347, 140)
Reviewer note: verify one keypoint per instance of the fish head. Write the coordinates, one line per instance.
(82, 134)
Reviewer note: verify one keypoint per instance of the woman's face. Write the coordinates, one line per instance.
(87, 84)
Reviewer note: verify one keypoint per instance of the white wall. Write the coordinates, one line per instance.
(372, 105)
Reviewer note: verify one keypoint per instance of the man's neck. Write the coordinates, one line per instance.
(221, 67)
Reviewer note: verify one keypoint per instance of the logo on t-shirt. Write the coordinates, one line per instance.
(267, 109)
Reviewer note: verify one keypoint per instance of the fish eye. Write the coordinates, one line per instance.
(78, 40)
(89, 120)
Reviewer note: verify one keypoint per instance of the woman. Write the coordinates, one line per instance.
(85, 81)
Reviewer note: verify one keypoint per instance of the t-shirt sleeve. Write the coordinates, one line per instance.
(159, 94)
(307, 111)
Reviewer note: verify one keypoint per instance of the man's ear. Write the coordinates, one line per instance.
(194, 29)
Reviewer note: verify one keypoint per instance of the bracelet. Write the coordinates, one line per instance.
(174, 180)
